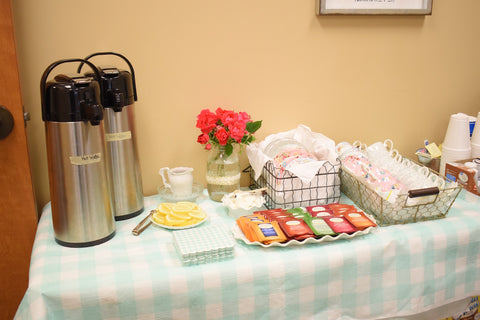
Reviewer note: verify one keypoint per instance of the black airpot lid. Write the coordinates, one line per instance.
(117, 87)
(72, 98)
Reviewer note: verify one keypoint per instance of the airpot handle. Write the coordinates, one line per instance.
(118, 55)
(55, 64)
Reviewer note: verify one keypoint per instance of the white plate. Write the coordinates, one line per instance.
(238, 234)
(167, 196)
(178, 228)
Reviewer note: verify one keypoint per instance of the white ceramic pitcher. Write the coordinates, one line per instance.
(179, 180)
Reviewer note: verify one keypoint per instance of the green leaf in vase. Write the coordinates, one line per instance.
(228, 149)
(253, 126)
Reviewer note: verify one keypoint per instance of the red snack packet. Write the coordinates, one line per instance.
(340, 225)
(281, 217)
(272, 213)
(359, 220)
(263, 212)
(340, 209)
(296, 229)
(319, 211)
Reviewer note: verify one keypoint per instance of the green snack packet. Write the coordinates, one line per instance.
(319, 227)
(299, 213)
(296, 210)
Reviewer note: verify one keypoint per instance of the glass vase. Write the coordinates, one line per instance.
(223, 173)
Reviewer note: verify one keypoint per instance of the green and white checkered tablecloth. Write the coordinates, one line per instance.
(394, 271)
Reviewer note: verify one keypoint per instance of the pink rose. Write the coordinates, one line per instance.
(244, 117)
(229, 117)
(219, 112)
(226, 116)
(203, 138)
(222, 136)
(237, 130)
(208, 146)
(206, 120)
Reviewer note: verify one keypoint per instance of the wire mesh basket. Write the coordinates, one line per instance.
(408, 207)
(286, 190)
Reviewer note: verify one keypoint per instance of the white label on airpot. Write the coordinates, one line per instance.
(86, 159)
(118, 136)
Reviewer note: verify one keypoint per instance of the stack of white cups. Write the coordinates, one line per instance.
(456, 145)
(475, 141)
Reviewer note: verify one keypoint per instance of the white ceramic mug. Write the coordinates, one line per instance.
(180, 180)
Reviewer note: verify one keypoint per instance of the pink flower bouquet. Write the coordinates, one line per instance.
(226, 128)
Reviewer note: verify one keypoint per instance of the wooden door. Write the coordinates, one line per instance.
(18, 218)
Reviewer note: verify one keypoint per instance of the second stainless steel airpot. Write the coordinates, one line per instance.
(118, 96)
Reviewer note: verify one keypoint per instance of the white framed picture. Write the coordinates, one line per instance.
(379, 7)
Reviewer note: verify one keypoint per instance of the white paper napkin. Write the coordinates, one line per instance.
(318, 144)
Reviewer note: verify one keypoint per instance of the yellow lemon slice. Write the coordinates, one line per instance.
(167, 205)
(194, 221)
(165, 208)
(158, 218)
(184, 207)
(197, 214)
(173, 221)
(188, 203)
(179, 215)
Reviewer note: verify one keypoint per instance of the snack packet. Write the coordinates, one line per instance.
(268, 232)
(359, 220)
(319, 227)
(319, 211)
(340, 209)
(340, 224)
(245, 223)
(297, 210)
(296, 229)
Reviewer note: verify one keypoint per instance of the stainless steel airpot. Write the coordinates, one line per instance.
(118, 95)
(79, 176)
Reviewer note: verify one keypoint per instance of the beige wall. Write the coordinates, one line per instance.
(348, 77)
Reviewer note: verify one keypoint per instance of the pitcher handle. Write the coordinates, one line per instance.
(161, 172)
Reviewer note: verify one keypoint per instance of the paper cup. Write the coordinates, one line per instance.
(475, 150)
(462, 151)
(453, 154)
(458, 132)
